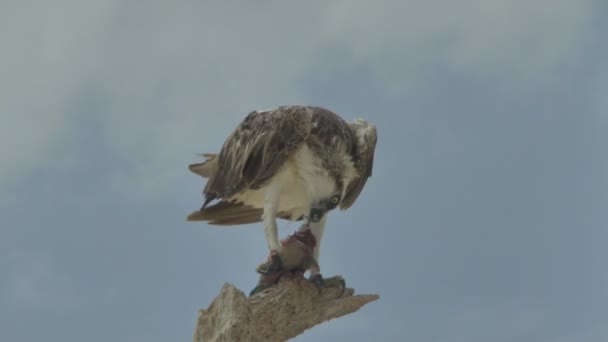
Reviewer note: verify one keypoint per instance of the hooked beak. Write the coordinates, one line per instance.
(315, 215)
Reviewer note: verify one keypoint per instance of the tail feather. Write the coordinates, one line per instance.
(206, 169)
(228, 213)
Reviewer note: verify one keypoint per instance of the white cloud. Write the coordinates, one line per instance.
(599, 98)
(597, 333)
(175, 78)
(43, 63)
(33, 282)
(510, 321)
(522, 44)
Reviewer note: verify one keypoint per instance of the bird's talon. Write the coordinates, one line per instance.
(337, 281)
(256, 290)
(317, 280)
(272, 265)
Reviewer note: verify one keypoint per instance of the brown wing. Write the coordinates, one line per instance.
(226, 213)
(257, 149)
(366, 137)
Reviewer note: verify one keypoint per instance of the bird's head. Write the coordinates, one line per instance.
(323, 206)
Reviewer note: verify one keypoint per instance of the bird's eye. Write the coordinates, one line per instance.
(335, 200)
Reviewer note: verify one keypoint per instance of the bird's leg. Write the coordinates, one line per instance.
(317, 229)
(271, 206)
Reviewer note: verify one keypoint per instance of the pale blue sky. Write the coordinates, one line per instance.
(485, 219)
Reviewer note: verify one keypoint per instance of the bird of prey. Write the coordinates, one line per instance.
(290, 162)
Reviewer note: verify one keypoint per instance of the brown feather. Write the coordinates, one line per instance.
(257, 149)
(364, 161)
(264, 141)
(207, 168)
(232, 213)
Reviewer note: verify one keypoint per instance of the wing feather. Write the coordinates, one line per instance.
(232, 213)
(227, 213)
(366, 137)
(256, 149)
(207, 168)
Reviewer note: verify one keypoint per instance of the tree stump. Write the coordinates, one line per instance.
(277, 313)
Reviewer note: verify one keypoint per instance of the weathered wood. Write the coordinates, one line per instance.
(278, 313)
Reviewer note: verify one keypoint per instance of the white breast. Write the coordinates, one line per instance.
(302, 181)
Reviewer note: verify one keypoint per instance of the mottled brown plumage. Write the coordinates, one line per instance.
(291, 162)
(264, 142)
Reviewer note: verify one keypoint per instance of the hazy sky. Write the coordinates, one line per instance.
(486, 218)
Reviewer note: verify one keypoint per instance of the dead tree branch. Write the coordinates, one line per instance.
(278, 313)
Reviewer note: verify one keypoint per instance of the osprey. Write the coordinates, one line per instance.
(290, 162)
